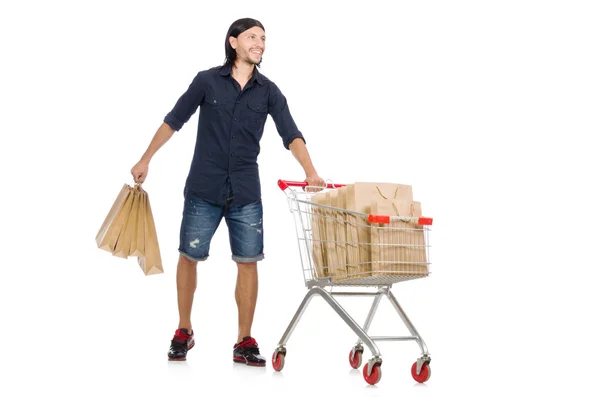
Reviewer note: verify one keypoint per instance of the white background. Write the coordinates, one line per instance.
(488, 109)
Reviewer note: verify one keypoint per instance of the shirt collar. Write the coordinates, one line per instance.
(226, 70)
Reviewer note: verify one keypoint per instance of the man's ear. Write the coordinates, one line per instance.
(233, 42)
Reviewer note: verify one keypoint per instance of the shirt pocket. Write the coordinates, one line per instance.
(215, 101)
(256, 112)
(258, 107)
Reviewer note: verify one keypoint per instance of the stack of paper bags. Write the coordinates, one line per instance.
(129, 230)
(346, 246)
(328, 236)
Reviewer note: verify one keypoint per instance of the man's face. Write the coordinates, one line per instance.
(249, 45)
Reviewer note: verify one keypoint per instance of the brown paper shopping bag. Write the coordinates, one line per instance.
(138, 240)
(319, 234)
(128, 231)
(110, 230)
(359, 197)
(398, 248)
(335, 263)
(337, 201)
(151, 262)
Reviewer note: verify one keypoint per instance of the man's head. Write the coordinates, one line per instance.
(245, 41)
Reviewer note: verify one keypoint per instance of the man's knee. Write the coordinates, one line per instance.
(184, 260)
(247, 265)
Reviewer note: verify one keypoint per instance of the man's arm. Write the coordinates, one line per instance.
(300, 152)
(140, 170)
(292, 138)
(185, 107)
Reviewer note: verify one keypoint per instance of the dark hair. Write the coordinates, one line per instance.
(239, 26)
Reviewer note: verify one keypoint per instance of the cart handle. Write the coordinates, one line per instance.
(285, 184)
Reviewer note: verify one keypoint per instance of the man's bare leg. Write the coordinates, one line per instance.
(186, 286)
(246, 293)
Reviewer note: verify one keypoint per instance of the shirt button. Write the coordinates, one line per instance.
(233, 136)
(231, 154)
(237, 102)
(235, 120)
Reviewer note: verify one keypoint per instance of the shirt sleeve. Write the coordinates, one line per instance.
(188, 103)
(280, 112)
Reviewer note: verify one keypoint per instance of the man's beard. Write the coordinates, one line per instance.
(248, 59)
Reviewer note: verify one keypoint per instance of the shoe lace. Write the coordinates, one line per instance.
(178, 345)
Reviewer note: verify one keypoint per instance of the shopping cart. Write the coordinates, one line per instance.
(341, 248)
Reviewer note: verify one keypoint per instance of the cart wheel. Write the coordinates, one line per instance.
(355, 360)
(278, 361)
(424, 375)
(375, 374)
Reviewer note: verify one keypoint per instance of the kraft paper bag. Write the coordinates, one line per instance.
(336, 264)
(359, 197)
(151, 262)
(398, 248)
(319, 235)
(101, 240)
(108, 240)
(348, 238)
(138, 240)
(126, 236)
(338, 201)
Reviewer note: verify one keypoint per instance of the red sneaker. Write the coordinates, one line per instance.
(246, 352)
(180, 344)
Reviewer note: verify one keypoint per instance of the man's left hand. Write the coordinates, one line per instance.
(315, 183)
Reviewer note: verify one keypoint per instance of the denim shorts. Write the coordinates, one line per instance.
(200, 222)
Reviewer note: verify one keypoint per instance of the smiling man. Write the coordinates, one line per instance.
(223, 181)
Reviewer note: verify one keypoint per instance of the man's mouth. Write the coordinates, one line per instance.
(258, 52)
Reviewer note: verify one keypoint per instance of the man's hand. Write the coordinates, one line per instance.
(314, 181)
(140, 171)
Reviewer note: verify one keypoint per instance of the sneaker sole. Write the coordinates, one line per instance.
(242, 361)
(184, 358)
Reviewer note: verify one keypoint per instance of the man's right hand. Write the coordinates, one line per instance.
(140, 171)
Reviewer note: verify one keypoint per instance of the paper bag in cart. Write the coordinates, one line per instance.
(398, 248)
(319, 235)
(358, 198)
(335, 250)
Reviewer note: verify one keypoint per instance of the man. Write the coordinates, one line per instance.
(223, 181)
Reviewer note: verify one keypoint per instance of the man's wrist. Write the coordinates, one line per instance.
(311, 172)
(145, 159)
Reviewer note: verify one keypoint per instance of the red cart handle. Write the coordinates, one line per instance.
(285, 184)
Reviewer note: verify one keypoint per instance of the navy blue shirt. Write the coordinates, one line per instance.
(230, 127)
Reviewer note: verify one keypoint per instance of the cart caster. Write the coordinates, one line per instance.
(278, 360)
(375, 375)
(425, 373)
(355, 357)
